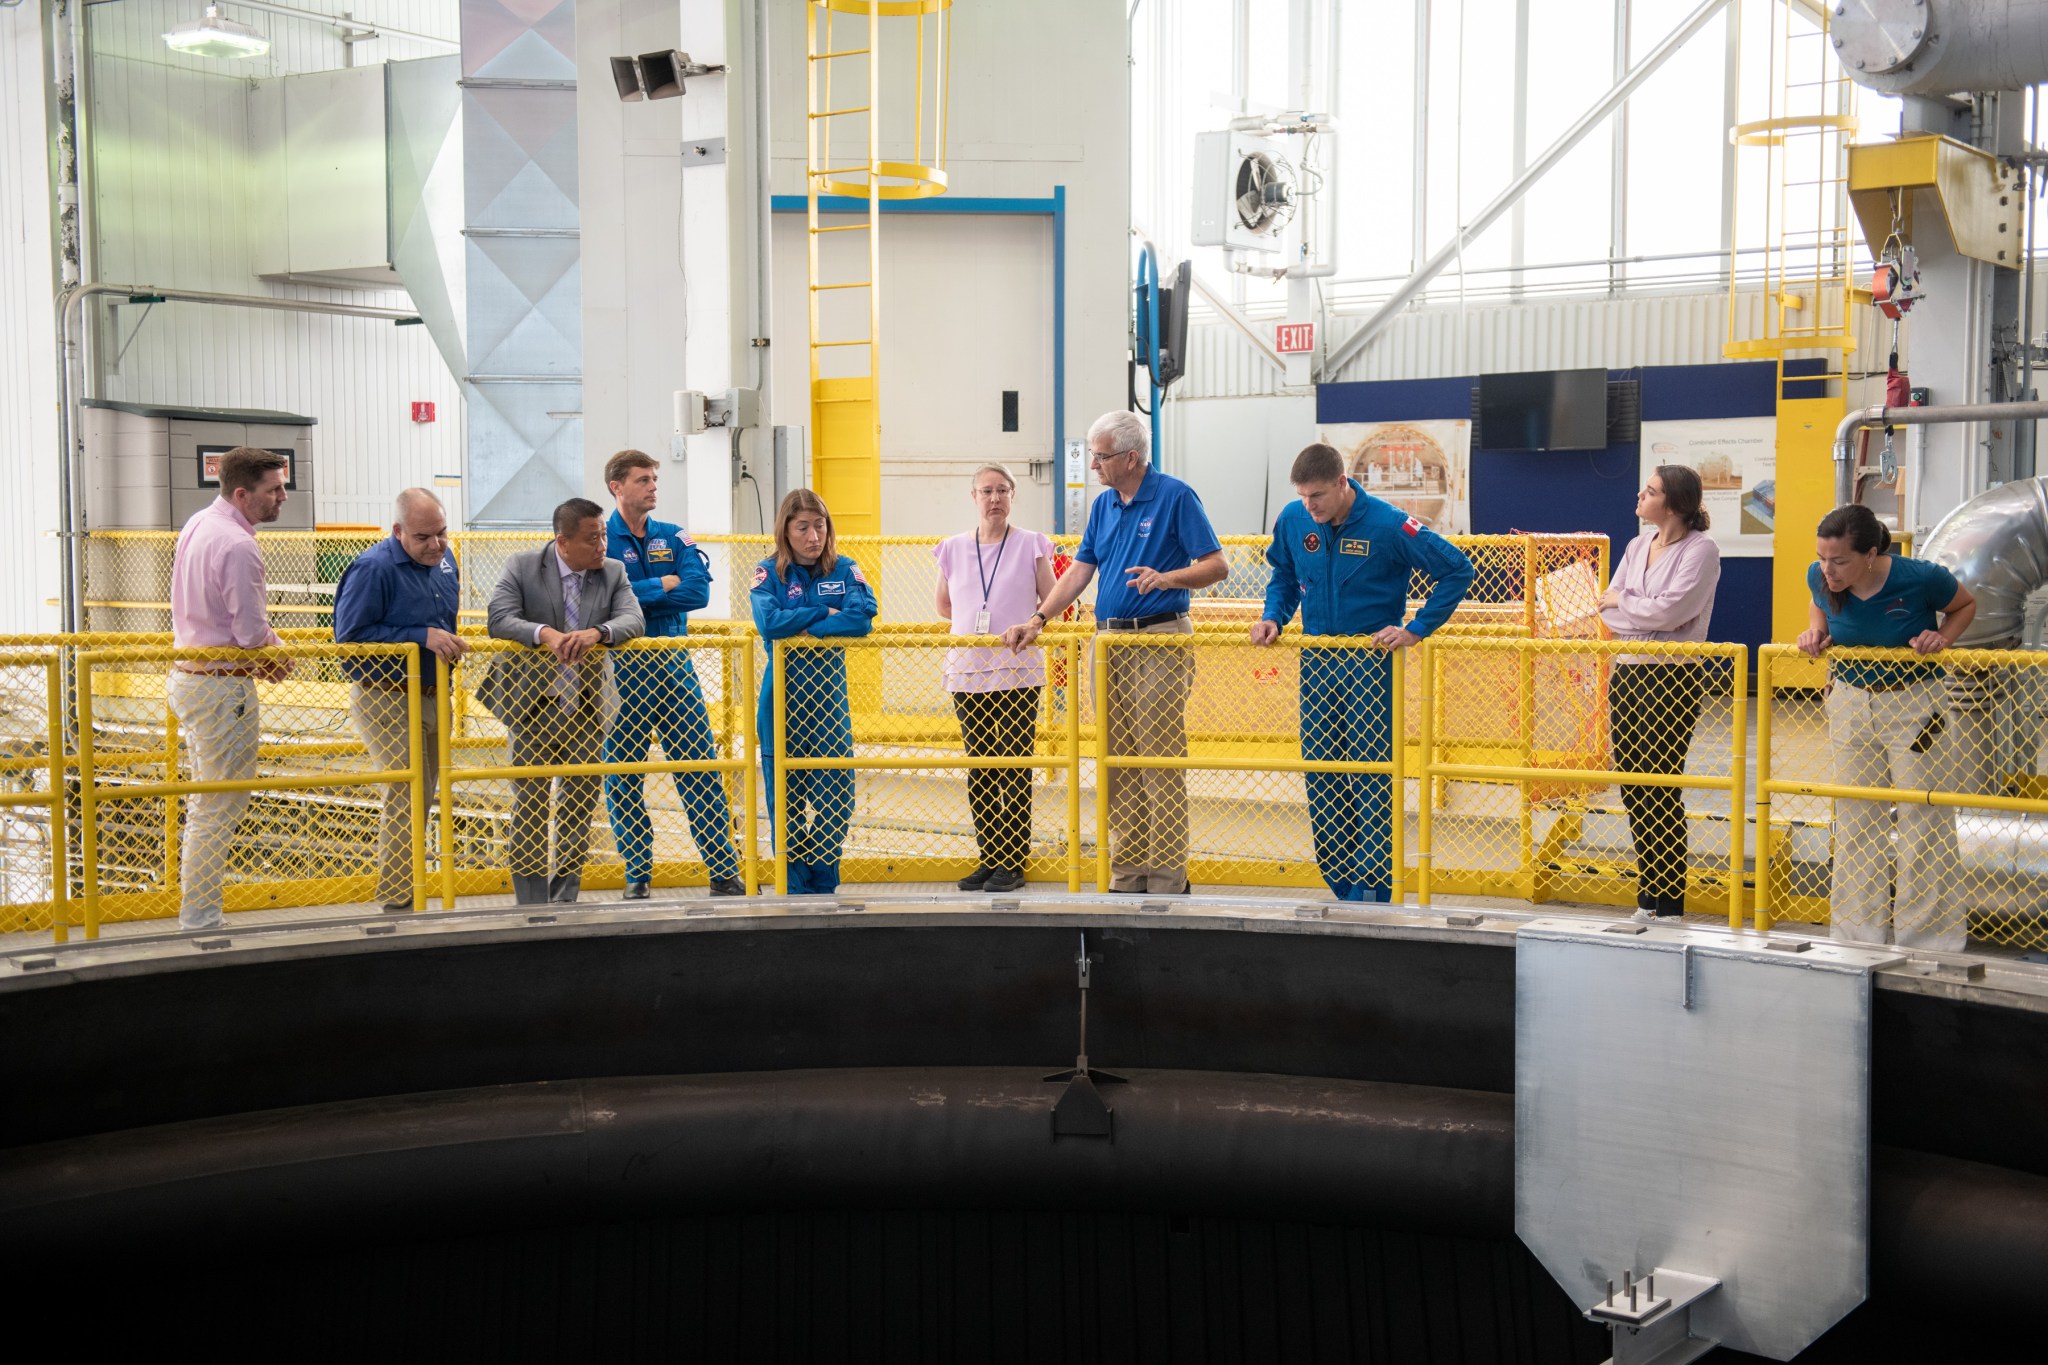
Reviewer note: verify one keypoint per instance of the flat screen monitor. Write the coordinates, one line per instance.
(1543, 410)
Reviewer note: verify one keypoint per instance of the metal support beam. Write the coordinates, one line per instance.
(1880, 416)
(1509, 197)
(1240, 321)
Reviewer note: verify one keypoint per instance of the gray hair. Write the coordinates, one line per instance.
(410, 498)
(1126, 429)
(1008, 477)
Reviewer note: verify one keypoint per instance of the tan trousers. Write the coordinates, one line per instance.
(222, 725)
(379, 714)
(1146, 712)
(554, 738)
(1882, 891)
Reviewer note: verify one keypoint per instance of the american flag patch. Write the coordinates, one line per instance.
(1411, 526)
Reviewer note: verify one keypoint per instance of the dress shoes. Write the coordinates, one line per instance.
(728, 886)
(637, 891)
(1003, 879)
(976, 879)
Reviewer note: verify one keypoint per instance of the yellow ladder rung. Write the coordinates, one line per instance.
(863, 284)
(847, 52)
(849, 227)
(835, 113)
(820, 345)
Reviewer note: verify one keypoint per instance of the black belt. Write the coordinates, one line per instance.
(1887, 686)
(1140, 622)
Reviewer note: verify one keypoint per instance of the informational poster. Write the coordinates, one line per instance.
(1423, 468)
(1737, 461)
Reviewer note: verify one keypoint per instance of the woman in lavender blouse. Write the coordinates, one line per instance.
(1664, 590)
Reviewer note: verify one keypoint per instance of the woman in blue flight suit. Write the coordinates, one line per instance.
(808, 588)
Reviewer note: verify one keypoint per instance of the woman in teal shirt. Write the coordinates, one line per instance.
(1887, 724)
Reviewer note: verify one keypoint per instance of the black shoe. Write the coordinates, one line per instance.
(977, 879)
(1128, 891)
(1003, 879)
(637, 891)
(728, 886)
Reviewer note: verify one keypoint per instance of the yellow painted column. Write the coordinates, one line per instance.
(1806, 493)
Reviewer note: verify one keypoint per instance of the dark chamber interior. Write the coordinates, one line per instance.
(832, 1142)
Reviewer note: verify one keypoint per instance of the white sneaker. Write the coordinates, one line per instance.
(1645, 916)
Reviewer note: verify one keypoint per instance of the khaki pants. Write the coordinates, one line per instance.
(556, 739)
(379, 714)
(1146, 713)
(222, 725)
(1880, 893)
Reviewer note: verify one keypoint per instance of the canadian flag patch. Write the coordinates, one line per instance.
(760, 574)
(1411, 526)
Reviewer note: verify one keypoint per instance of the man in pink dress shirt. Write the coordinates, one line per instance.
(218, 600)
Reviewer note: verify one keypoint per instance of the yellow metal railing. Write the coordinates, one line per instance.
(33, 751)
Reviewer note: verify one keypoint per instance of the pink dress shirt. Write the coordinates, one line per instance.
(1669, 602)
(217, 594)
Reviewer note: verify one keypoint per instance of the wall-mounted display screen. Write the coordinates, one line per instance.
(1543, 410)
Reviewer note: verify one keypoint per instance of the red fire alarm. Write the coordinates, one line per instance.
(422, 412)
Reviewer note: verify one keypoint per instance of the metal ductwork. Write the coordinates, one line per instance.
(1997, 545)
(1942, 47)
(423, 149)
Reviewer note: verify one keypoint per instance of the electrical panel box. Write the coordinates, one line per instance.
(150, 467)
(692, 412)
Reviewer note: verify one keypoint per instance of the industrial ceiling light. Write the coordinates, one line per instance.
(213, 36)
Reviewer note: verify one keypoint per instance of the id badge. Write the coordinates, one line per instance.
(981, 622)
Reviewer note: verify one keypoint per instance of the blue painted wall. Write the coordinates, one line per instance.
(1593, 490)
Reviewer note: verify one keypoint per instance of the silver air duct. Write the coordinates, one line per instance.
(1996, 544)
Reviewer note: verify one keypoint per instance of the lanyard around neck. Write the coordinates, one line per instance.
(988, 580)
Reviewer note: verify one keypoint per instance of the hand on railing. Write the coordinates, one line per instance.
(569, 646)
(1812, 642)
(445, 646)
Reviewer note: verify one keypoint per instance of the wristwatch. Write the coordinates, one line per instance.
(1039, 617)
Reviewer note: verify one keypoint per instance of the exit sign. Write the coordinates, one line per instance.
(1295, 338)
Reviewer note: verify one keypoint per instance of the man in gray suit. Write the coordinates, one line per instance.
(557, 701)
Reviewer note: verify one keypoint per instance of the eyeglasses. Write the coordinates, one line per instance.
(1105, 456)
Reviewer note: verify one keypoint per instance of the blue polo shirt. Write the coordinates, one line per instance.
(665, 549)
(1914, 591)
(1163, 527)
(386, 597)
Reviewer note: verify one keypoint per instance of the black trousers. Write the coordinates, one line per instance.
(1655, 707)
(1000, 725)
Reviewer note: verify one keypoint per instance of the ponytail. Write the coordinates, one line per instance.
(1682, 495)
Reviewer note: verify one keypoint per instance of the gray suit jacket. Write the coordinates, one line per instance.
(529, 596)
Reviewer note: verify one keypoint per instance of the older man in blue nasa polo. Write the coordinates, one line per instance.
(1345, 559)
(1151, 539)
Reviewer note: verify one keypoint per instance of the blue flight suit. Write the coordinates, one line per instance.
(658, 691)
(818, 723)
(1352, 579)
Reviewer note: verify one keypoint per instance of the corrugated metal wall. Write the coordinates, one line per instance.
(174, 189)
(1492, 337)
(28, 366)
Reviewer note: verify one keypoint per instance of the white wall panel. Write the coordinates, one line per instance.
(28, 368)
(177, 190)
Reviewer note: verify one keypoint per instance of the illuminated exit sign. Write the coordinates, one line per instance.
(1295, 338)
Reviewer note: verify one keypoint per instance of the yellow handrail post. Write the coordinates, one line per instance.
(417, 779)
(88, 812)
(1529, 583)
(1101, 669)
(444, 700)
(1762, 909)
(1525, 701)
(60, 807)
(1425, 791)
(1737, 772)
(778, 824)
(1397, 781)
(172, 853)
(742, 655)
(1072, 650)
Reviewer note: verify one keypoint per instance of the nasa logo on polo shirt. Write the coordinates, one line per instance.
(1312, 542)
(1144, 528)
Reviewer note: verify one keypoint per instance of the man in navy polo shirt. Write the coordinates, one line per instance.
(1152, 542)
(404, 590)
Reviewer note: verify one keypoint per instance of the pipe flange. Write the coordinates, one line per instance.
(1879, 37)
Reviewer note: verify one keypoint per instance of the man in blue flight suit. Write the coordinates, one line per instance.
(658, 690)
(404, 590)
(808, 588)
(1345, 558)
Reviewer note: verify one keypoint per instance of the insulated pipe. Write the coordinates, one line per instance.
(1996, 544)
(1938, 47)
(1880, 416)
(70, 304)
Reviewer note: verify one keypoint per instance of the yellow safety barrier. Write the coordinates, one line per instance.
(891, 706)
(511, 720)
(1224, 762)
(307, 835)
(1900, 797)
(34, 862)
(1520, 737)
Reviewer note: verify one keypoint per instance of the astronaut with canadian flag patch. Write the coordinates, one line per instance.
(1345, 559)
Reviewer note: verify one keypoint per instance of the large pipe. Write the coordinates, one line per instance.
(1996, 544)
(1881, 416)
(70, 385)
(1914, 47)
(1519, 186)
